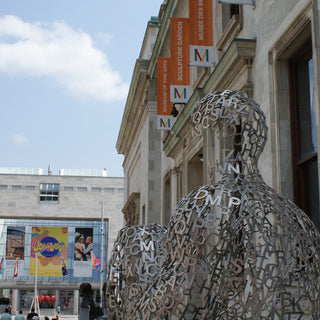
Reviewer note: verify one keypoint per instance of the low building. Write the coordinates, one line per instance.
(50, 224)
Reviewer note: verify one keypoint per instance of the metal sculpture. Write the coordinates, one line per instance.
(137, 255)
(236, 249)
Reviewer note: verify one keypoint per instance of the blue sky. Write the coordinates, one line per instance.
(65, 69)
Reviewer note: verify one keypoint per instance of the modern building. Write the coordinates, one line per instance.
(51, 225)
(267, 49)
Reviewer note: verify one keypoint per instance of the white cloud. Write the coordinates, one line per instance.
(104, 37)
(61, 53)
(20, 138)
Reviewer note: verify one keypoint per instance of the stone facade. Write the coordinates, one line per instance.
(255, 51)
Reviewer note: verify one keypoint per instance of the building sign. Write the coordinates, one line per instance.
(201, 32)
(180, 90)
(164, 106)
(49, 246)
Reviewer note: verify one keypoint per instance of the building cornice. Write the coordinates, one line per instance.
(130, 116)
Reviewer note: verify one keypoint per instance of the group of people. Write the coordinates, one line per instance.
(32, 315)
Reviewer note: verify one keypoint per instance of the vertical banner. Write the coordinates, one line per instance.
(164, 106)
(14, 252)
(51, 246)
(179, 49)
(83, 245)
(201, 33)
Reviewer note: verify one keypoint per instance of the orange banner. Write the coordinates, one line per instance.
(201, 33)
(201, 23)
(164, 106)
(179, 47)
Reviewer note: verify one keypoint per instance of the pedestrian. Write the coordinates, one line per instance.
(6, 315)
(31, 314)
(66, 303)
(19, 316)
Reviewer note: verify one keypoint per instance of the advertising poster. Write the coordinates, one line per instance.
(83, 245)
(15, 243)
(49, 246)
(14, 260)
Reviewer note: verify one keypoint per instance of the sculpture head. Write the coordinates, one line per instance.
(237, 121)
(85, 288)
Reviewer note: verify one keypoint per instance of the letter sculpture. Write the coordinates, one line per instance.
(137, 256)
(236, 249)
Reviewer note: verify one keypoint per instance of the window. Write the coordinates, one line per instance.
(49, 192)
(228, 11)
(30, 187)
(143, 214)
(68, 188)
(108, 189)
(95, 189)
(304, 138)
(16, 187)
(231, 25)
(82, 189)
(167, 199)
(3, 187)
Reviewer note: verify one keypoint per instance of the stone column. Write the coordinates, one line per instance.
(56, 304)
(75, 301)
(15, 301)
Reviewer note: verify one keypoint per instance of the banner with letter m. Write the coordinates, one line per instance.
(201, 56)
(165, 122)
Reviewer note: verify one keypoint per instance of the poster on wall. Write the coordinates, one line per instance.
(83, 245)
(49, 246)
(15, 243)
(14, 260)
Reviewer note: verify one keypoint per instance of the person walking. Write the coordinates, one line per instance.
(19, 316)
(6, 315)
(31, 314)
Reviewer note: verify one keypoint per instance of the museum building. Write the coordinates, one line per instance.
(51, 225)
(267, 49)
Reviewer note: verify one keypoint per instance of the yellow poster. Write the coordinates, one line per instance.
(49, 247)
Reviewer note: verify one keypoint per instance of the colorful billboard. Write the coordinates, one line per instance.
(49, 246)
